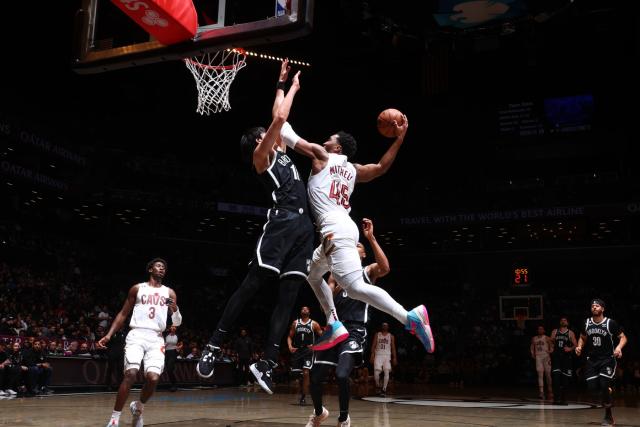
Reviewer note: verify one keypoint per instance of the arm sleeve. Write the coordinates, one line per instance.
(176, 318)
(289, 136)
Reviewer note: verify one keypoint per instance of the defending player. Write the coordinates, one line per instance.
(349, 354)
(284, 249)
(151, 301)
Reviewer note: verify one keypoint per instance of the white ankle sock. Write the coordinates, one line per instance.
(115, 415)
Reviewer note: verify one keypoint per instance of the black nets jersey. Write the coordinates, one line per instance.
(600, 338)
(283, 181)
(562, 340)
(304, 335)
(349, 309)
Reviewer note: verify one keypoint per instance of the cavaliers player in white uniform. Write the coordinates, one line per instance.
(151, 302)
(541, 349)
(329, 188)
(383, 355)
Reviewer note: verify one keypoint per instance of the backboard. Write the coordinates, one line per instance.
(514, 306)
(106, 39)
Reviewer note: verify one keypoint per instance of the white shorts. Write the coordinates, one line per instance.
(382, 362)
(144, 345)
(543, 363)
(338, 252)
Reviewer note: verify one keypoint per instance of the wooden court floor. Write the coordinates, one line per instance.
(250, 407)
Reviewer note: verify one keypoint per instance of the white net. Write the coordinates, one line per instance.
(214, 73)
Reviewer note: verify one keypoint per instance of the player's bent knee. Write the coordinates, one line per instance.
(152, 375)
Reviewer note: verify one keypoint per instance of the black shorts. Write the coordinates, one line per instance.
(605, 367)
(301, 359)
(562, 363)
(286, 245)
(354, 345)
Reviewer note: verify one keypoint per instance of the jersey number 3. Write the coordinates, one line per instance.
(340, 193)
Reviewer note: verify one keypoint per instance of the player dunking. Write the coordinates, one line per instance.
(301, 337)
(283, 251)
(349, 354)
(564, 342)
(330, 186)
(383, 355)
(541, 348)
(151, 301)
(597, 342)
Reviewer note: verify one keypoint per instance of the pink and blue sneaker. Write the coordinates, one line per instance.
(418, 325)
(333, 334)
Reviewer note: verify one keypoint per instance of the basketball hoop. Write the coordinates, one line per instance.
(214, 72)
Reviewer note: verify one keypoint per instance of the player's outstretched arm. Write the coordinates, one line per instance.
(368, 172)
(262, 153)
(381, 267)
(282, 80)
(121, 316)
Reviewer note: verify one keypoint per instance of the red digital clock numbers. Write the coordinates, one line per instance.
(521, 276)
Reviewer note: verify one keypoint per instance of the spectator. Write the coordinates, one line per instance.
(115, 358)
(103, 316)
(39, 371)
(84, 350)
(72, 350)
(16, 370)
(194, 355)
(244, 347)
(170, 355)
(4, 369)
(7, 326)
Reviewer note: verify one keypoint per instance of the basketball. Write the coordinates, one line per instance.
(385, 122)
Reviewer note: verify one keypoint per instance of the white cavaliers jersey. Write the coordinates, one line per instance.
(541, 345)
(383, 345)
(150, 311)
(330, 189)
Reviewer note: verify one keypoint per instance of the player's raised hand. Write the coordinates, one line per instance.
(367, 228)
(401, 129)
(284, 70)
(296, 80)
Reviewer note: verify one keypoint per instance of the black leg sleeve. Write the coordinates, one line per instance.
(256, 278)
(289, 287)
(343, 372)
(605, 392)
(318, 374)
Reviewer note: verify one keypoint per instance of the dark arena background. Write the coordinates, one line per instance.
(514, 201)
